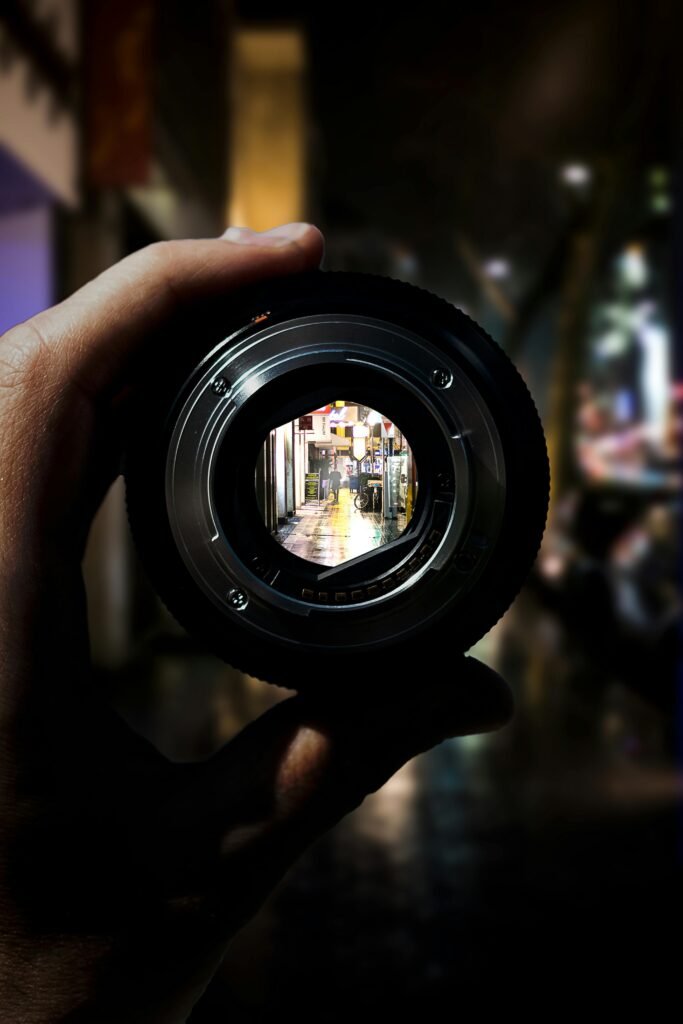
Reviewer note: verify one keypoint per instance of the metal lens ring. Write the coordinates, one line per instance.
(282, 369)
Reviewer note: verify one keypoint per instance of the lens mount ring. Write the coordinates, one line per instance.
(279, 359)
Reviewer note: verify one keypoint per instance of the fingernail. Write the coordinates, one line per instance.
(280, 235)
(236, 234)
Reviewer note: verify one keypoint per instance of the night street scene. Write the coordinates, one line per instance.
(522, 162)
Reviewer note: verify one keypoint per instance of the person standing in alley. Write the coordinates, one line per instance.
(325, 478)
(335, 481)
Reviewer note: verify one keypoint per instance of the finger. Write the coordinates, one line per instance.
(306, 763)
(87, 339)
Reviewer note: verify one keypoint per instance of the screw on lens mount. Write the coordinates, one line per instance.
(442, 378)
(237, 599)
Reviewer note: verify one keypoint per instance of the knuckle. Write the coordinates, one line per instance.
(157, 252)
(159, 256)
(24, 350)
(160, 261)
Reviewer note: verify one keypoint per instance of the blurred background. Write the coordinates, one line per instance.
(520, 160)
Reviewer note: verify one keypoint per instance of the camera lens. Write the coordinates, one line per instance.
(336, 465)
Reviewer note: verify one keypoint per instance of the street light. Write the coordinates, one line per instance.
(575, 175)
(497, 269)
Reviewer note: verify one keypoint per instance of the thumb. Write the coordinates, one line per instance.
(292, 774)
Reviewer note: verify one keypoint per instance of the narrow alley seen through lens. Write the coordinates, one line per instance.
(336, 482)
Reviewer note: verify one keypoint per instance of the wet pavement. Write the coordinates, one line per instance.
(546, 856)
(329, 533)
(531, 866)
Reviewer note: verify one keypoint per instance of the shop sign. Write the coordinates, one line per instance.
(312, 487)
(359, 448)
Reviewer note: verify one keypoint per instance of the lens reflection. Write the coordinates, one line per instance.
(336, 482)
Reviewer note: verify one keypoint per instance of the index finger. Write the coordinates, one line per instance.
(90, 335)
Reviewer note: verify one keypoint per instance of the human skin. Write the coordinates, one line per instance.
(123, 876)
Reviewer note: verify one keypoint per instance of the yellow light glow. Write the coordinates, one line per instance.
(268, 119)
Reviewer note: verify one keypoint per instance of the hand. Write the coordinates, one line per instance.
(122, 875)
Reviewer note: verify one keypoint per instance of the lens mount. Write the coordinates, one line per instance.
(277, 351)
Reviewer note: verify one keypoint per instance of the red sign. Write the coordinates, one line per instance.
(387, 425)
(118, 92)
(324, 410)
(306, 422)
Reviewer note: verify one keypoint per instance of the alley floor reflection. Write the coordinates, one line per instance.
(546, 851)
(335, 531)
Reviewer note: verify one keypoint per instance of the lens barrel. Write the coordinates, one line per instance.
(244, 365)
